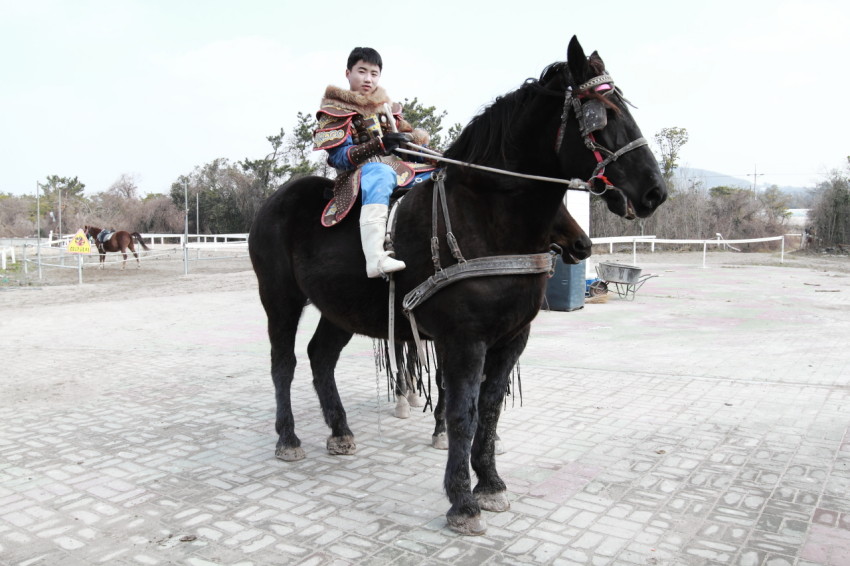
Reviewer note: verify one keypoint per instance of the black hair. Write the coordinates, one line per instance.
(366, 54)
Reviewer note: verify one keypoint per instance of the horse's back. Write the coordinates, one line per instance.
(293, 255)
(284, 216)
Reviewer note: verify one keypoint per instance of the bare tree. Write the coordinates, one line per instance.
(829, 217)
(670, 142)
(17, 216)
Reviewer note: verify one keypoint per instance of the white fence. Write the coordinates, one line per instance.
(652, 241)
(51, 252)
(4, 252)
(196, 239)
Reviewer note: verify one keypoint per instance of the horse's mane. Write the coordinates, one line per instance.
(488, 135)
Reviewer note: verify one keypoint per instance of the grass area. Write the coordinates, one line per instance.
(13, 275)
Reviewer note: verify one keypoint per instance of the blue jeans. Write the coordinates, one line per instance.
(378, 181)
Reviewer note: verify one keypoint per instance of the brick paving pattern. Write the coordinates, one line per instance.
(705, 422)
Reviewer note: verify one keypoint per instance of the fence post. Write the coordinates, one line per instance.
(704, 247)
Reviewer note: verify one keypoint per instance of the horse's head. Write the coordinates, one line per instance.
(567, 234)
(599, 140)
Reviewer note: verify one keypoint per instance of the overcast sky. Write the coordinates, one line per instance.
(96, 89)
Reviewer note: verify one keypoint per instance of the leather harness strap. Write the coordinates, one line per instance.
(464, 269)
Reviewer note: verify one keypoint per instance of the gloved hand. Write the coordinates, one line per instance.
(393, 140)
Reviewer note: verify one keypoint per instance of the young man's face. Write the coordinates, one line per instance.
(363, 77)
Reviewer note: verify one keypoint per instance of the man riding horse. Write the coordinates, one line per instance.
(359, 128)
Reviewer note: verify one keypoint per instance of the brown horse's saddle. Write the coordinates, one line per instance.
(104, 235)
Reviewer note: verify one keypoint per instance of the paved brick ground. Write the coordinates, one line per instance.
(706, 422)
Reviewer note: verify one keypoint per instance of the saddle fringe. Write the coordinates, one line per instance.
(411, 369)
(417, 372)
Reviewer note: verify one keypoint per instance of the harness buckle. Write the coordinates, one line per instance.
(600, 184)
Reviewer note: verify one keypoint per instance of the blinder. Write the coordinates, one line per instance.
(593, 117)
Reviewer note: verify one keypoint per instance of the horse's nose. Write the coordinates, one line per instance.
(581, 247)
(653, 198)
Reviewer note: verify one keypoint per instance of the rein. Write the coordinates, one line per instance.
(572, 184)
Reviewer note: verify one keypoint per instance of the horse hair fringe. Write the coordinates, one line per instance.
(415, 371)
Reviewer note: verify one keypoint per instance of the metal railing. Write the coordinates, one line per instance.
(654, 241)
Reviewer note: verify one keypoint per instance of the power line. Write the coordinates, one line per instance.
(755, 175)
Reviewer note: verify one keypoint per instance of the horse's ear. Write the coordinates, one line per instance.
(577, 61)
(596, 63)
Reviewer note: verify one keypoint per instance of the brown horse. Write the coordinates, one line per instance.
(119, 241)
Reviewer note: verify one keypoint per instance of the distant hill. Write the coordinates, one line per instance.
(711, 179)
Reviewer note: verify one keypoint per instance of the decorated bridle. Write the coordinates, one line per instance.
(592, 117)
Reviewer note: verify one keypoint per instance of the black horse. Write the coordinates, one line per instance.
(572, 243)
(548, 127)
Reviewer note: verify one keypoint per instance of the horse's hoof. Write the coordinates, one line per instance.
(440, 441)
(402, 408)
(496, 502)
(498, 447)
(470, 526)
(288, 454)
(341, 445)
(415, 400)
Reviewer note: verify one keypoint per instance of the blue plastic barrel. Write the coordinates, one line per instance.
(566, 288)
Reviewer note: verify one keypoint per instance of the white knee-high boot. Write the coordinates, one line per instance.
(373, 229)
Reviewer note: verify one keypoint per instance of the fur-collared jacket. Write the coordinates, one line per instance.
(345, 113)
(351, 115)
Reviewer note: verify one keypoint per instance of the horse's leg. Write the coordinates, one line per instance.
(123, 253)
(324, 349)
(440, 439)
(406, 395)
(461, 364)
(402, 405)
(413, 363)
(133, 249)
(284, 312)
(491, 491)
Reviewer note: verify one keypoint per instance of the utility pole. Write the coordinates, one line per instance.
(755, 175)
(186, 228)
(38, 225)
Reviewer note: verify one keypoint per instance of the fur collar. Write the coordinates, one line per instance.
(360, 103)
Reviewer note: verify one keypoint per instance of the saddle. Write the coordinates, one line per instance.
(347, 187)
(104, 235)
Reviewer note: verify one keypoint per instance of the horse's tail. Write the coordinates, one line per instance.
(140, 240)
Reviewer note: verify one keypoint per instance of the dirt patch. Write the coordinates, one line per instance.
(157, 274)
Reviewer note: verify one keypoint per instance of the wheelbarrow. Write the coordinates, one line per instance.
(626, 280)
